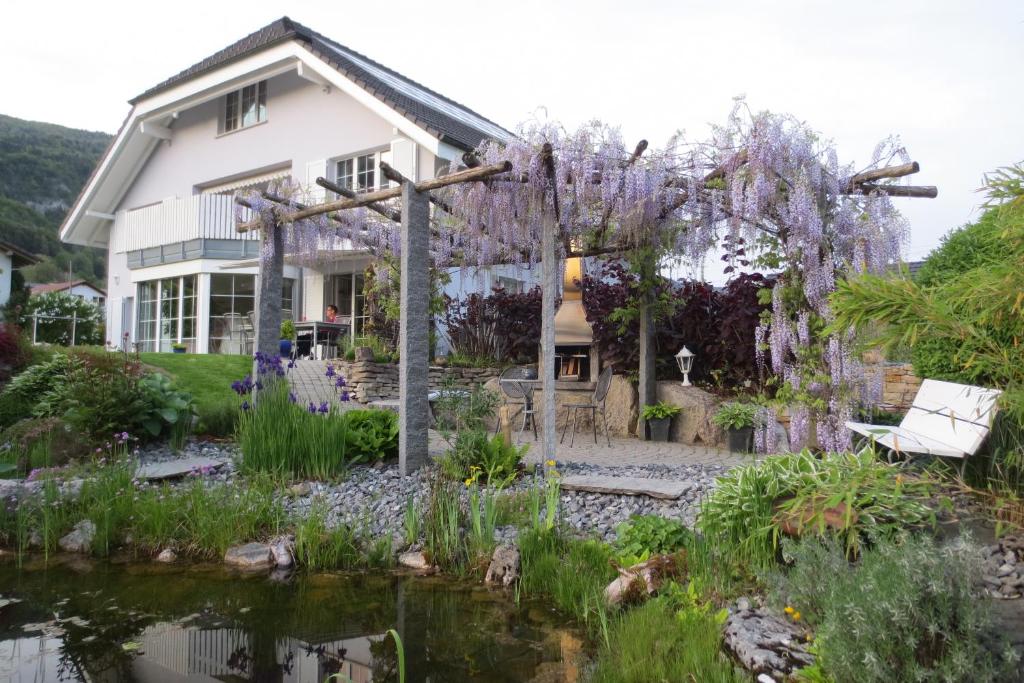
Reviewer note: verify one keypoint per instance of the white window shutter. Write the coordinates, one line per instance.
(313, 296)
(403, 157)
(314, 170)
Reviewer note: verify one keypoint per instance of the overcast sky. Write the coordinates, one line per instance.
(945, 76)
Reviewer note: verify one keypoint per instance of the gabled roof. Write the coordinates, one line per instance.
(63, 286)
(444, 118)
(19, 256)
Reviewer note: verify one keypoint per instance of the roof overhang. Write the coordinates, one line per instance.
(151, 121)
(19, 257)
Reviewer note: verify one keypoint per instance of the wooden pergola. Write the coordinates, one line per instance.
(413, 218)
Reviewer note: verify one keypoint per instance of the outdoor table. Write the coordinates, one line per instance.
(313, 328)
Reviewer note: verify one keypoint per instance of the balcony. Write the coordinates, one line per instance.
(200, 226)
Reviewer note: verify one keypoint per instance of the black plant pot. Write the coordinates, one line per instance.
(659, 428)
(741, 440)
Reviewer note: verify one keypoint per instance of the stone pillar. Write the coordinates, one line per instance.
(413, 373)
(268, 301)
(549, 292)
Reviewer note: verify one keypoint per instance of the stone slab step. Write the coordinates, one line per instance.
(626, 486)
(170, 469)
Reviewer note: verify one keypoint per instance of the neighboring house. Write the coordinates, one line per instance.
(282, 101)
(11, 258)
(79, 288)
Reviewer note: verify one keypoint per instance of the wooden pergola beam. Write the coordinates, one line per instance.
(385, 211)
(918, 191)
(369, 198)
(885, 172)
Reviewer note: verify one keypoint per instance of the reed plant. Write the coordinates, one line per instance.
(277, 435)
(412, 521)
(483, 516)
(444, 522)
(319, 547)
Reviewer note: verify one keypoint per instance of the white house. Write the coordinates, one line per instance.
(282, 101)
(80, 288)
(11, 258)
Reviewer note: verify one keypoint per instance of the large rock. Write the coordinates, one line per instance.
(79, 540)
(694, 423)
(167, 556)
(250, 557)
(766, 643)
(622, 407)
(415, 560)
(504, 567)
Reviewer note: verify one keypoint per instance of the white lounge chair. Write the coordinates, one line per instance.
(946, 419)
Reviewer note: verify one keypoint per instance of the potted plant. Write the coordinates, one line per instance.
(179, 347)
(737, 419)
(287, 335)
(659, 419)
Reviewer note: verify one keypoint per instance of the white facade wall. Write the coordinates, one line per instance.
(306, 126)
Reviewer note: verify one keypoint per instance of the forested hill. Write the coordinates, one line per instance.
(42, 168)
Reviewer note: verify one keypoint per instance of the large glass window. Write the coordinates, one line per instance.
(166, 314)
(288, 298)
(232, 300)
(145, 332)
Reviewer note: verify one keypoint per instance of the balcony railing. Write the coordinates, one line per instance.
(203, 216)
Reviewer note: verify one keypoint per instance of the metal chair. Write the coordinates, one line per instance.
(604, 383)
(517, 393)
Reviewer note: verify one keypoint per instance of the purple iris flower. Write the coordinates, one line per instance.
(312, 407)
(292, 398)
(344, 396)
(324, 408)
(340, 382)
(330, 371)
(245, 405)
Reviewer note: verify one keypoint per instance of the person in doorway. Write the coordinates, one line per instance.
(329, 337)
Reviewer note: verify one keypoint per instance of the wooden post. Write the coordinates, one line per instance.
(413, 384)
(271, 276)
(505, 424)
(647, 388)
(549, 292)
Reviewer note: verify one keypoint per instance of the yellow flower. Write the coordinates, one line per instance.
(788, 610)
(550, 463)
(808, 637)
(899, 479)
(796, 616)
(469, 482)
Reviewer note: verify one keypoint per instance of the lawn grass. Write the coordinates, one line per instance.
(207, 377)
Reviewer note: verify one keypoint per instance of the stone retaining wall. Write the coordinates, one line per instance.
(369, 381)
(900, 385)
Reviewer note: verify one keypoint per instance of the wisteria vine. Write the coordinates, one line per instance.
(764, 180)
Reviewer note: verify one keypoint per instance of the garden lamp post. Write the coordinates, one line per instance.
(685, 360)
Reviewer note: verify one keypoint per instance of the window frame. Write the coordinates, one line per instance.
(232, 110)
(349, 178)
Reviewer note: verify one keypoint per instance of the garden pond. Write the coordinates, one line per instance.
(77, 620)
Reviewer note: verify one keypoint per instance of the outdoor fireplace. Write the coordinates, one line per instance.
(576, 356)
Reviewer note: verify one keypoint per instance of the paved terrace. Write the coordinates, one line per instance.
(310, 384)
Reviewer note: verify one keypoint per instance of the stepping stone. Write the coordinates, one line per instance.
(626, 486)
(171, 469)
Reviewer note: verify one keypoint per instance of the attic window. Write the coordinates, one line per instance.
(245, 107)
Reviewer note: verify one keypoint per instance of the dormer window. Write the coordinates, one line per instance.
(245, 107)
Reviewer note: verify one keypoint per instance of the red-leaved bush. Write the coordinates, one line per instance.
(14, 350)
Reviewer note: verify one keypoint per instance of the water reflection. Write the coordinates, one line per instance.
(155, 624)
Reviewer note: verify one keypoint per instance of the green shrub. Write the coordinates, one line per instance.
(371, 435)
(743, 514)
(645, 535)
(26, 393)
(904, 612)
(40, 442)
(735, 415)
(476, 453)
(660, 411)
